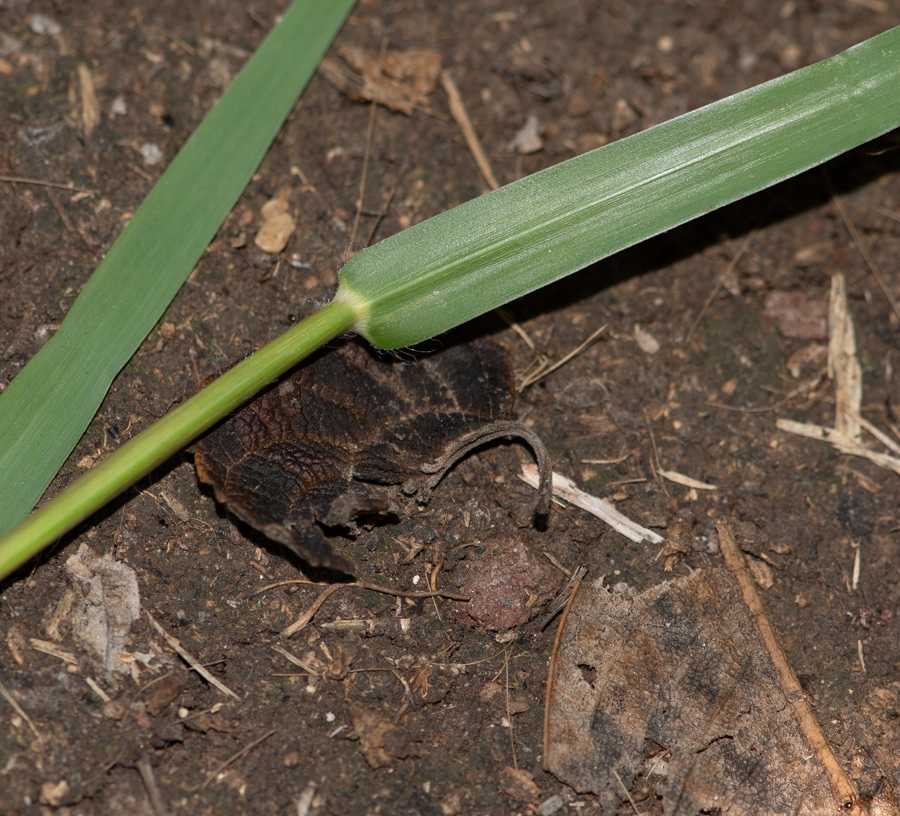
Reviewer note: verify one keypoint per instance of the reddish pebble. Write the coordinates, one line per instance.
(507, 584)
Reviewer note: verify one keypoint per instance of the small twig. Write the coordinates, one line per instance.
(509, 719)
(615, 461)
(892, 215)
(458, 111)
(551, 671)
(192, 662)
(543, 372)
(382, 213)
(365, 172)
(307, 616)
(842, 443)
(432, 582)
(555, 561)
(516, 327)
(96, 689)
(53, 650)
(400, 593)
(42, 183)
(234, 757)
(305, 800)
(685, 481)
(880, 435)
(145, 769)
(719, 284)
(841, 786)
(860, 245)
(622, 785)
(20, 711)
(763, 410)
(566, 489)
(562, 598)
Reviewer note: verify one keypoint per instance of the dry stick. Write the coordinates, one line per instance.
(880, 435)
(458, 111)
(365, 172)
(543, 372)
(42, 183)
(304, 802)
(234, 757)
(562, 598)
(565, 489)
(96, 689)
(844, 369)
(679, 478)
(145, 769)
(308, 615)
(20, 711)
(551, 672)
(860, 245)
(382, 213)
(515, 326)
(793, 692)
(892, 215)
(432, 583)
(719, 284)
(844, 444)
(509, 719)
(194, 664)
(878, 6)
(400, 593)
(622, 785)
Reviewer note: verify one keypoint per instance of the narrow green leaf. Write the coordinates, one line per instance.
(503, 245)
(165, 437)
(46, 408)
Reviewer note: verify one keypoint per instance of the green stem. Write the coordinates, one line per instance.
(153, 446)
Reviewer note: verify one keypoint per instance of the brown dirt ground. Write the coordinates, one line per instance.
(591, 72)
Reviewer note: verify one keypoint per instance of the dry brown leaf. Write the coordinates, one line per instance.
(339, 441)
(682, 667)
(400, 80)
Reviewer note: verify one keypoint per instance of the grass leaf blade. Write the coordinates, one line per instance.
(46, 408)
(507, 243)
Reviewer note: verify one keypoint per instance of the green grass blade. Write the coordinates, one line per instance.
(503, 245)
(46, 408)
(152, 447)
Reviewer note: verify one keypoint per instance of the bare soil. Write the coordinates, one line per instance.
(454, 704)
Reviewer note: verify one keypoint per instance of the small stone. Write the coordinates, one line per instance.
(53, 793)
(42, 24)
(151, 154)
(549, 806)
(501, 583)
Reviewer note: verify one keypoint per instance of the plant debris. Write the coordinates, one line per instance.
(329, 445)
(399, 80)
(684, 693)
